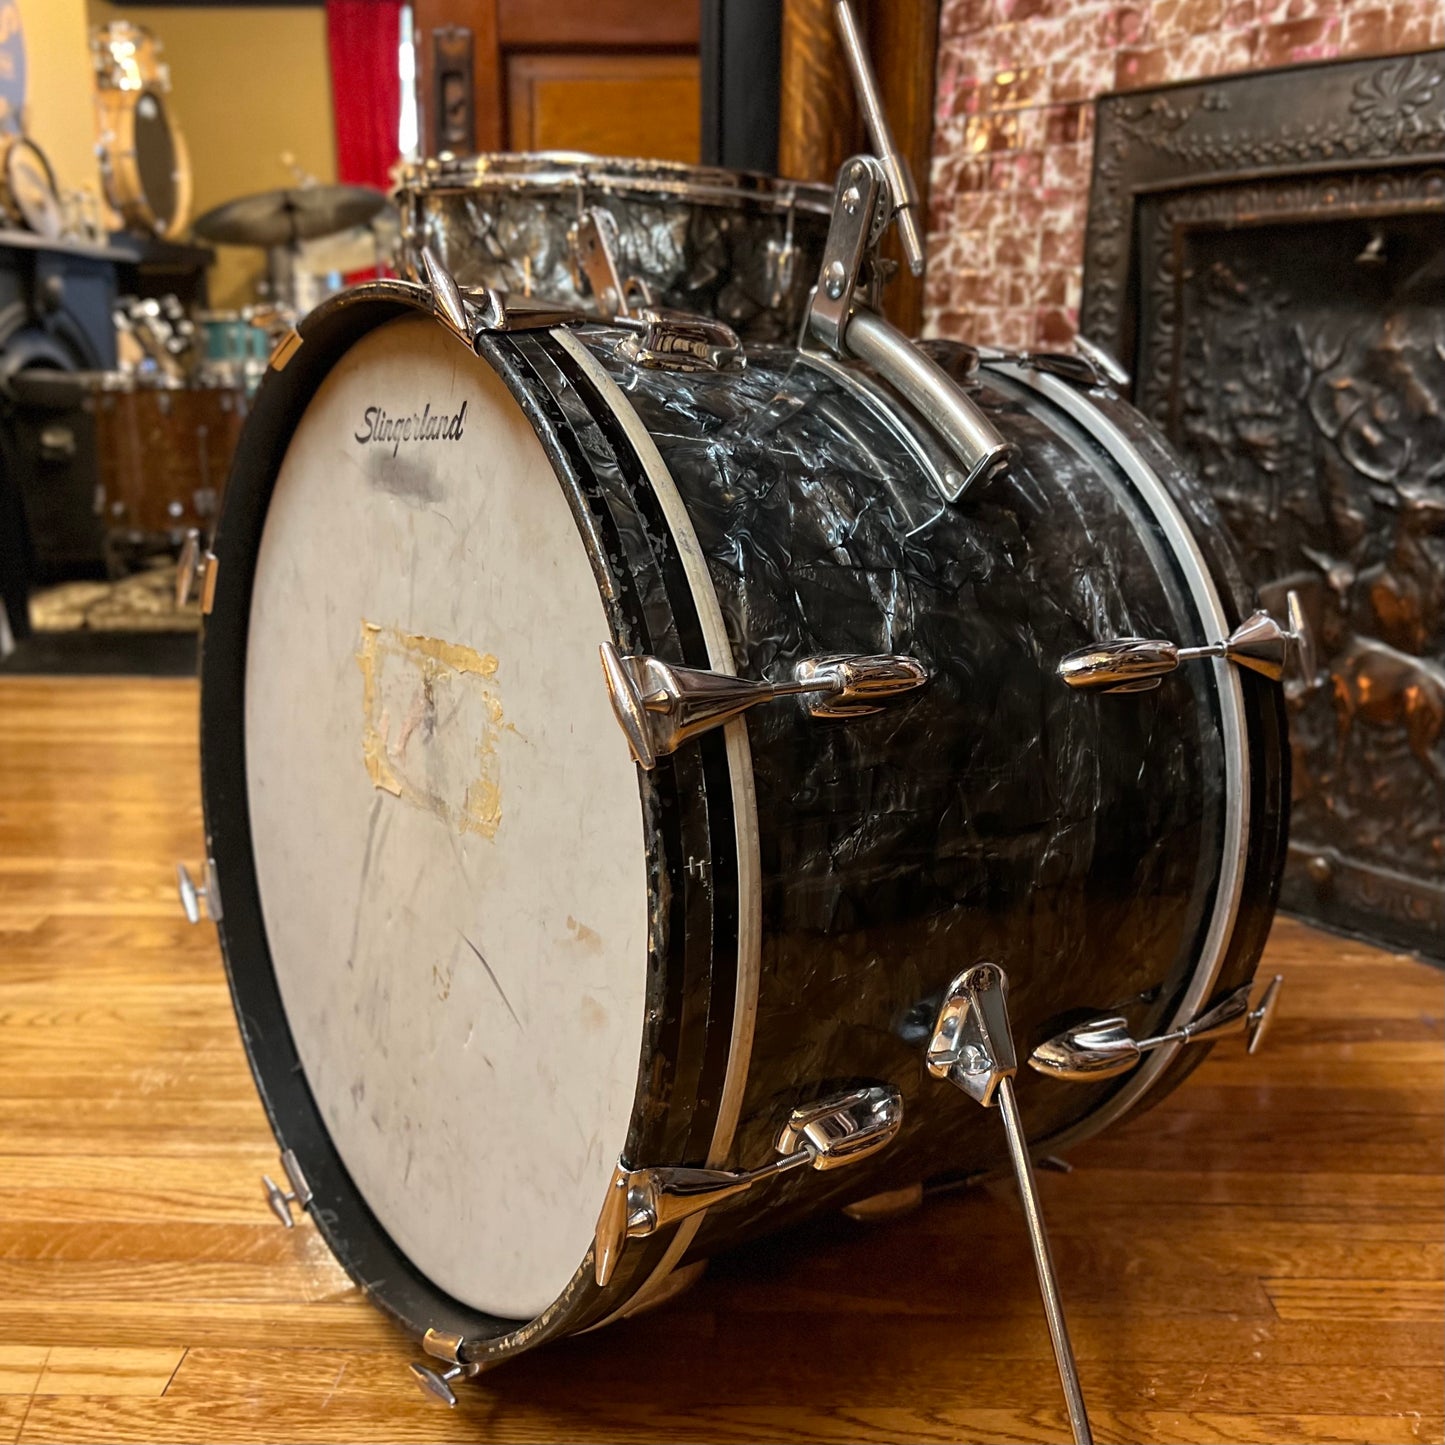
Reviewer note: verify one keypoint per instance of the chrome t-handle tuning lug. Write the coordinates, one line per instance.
(829, 1134)
(660, 705)
(196, 897)
(1103, 1047)
(972, 1047)
(1137, 664)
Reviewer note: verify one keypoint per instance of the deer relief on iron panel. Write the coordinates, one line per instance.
(1310, 393)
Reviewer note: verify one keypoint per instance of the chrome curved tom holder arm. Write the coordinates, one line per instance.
(1103, 1047)
(660, 705)
(1137, 664)
(972, 1048)
(842, 319)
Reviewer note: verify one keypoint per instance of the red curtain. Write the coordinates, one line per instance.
(364, 38)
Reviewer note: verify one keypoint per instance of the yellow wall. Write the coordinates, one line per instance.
(247, 84)
(59, 110)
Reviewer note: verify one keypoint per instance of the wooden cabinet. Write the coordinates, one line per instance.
(614, 77)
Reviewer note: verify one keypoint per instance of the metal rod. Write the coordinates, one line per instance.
(1043, 1262)
(900, 178)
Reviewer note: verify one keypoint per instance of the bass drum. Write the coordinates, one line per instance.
(481, 957)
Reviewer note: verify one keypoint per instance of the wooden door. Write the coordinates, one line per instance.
(613, 77)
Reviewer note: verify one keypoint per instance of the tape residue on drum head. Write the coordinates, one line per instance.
(447, 824)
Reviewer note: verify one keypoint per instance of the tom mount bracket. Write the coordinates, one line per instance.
(872, 193)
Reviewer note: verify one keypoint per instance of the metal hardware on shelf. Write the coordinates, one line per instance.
(972, 1047)
(193, 898)
(1136, 664)
(197, 567)
(281, 1199)
(678, 341)
(1104, 1047)
(829, 1134)
(660, 705)
(904, 200)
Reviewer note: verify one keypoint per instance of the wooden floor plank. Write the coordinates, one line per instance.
(1258, 1258)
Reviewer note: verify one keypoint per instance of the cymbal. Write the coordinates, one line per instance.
(284, 218)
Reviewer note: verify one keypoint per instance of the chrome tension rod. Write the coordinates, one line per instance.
(972, 1047)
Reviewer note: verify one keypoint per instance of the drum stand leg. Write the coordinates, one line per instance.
(972, 1047)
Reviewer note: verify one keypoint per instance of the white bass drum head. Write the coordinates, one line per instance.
(446, 820)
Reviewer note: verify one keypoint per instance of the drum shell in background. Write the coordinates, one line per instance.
(164, 453)
(144, 163)
(704, 240)
(1077, 841)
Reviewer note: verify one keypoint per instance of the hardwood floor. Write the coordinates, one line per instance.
(1258, 1259)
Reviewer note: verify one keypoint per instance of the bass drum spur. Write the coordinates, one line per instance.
(632, 789)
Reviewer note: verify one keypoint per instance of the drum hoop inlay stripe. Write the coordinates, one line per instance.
(740, 770)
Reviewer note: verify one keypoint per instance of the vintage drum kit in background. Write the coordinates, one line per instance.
(169, 416)
(665, 765)
(144, 167)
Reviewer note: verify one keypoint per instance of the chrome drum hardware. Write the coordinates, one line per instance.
(972, 1047)
(829, 1134)
(281, 1199)
(1137, 664)
(1103, 1047)
(196, 568)
(193, 898)
(659, 705)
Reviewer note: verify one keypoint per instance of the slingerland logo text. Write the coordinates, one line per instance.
(381, 428)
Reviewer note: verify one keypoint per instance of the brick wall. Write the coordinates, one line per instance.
(1014, 120)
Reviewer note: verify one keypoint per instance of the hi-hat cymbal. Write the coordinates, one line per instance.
(283, 218)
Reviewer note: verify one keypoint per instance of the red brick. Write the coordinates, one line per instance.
(1171, 18)
(1053, 326)
(1063, 123)
(1298, 40)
